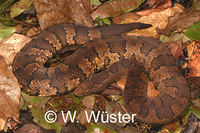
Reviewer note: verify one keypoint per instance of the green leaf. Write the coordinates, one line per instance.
(185, 115)
(165, 130)
(38, 115)
(19, 7)
(6, 31)
(102, 22)
(38, 101)
(35, 104)
(193, 32)
(196, 4)
(67, 102)
(176, 126)
(121, 102)
(95, 2)
(173, 38)
(196, 107)
(4, 4)
(115, 97)
(93, 128)
(7, 21)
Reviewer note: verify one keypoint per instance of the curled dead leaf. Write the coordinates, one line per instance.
(157, 19)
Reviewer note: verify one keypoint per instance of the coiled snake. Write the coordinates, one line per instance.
(102, 47)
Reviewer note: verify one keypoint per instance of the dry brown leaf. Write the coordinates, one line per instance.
(165, 4)
(121, 84)
(115, 108)
(126, 17)
(136, 16)
(151, 91)
(81, 117)
(194, 62)
(11, 45)
(181, 21)
(176, 48)
(147, 12)
(33, 31)
(88, 104)
(112, 90)
(29, 128)
(152, 2)
(158, 9)
(157, 19)
(9, 95)
(81, 12)
(190, 49)
(161, 3)
(52, 12)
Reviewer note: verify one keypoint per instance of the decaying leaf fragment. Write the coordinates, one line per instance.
(9, 95)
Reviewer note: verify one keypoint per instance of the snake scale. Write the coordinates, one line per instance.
(136, 56)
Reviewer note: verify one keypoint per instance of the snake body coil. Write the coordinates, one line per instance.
(101, 49)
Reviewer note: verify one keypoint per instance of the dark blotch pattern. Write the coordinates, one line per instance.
(162, 60)
(97, 80)
(113, 68)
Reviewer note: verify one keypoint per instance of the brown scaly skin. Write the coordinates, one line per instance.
(156, 61)
(97, 54)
